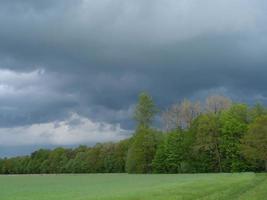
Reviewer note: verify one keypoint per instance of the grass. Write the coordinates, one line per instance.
(239, 186)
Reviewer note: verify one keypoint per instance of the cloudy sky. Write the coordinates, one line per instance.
(70, 71)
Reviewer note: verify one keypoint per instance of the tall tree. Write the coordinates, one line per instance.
(144, 141)
(142, 151)
(145, 110)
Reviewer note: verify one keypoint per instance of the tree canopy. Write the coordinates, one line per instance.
(216, 136)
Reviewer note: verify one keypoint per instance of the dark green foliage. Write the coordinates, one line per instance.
(254, 144)
(142, 151)
(107, 157)
(120, 155)
(159, 163)
(173, 154)
(174, 151)
(207, 140)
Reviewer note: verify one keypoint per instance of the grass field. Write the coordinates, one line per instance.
(245, 186)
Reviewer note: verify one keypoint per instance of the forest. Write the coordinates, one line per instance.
(217, 135)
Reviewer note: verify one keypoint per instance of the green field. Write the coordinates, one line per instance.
(245, 186)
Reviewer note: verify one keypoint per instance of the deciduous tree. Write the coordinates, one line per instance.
(254, 144)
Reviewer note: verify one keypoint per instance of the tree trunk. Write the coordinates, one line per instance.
(217, 151)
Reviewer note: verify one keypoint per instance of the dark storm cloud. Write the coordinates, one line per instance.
(95, 56)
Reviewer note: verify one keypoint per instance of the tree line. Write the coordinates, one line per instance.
(217, 136)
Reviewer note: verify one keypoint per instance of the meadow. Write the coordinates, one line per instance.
(240, 186)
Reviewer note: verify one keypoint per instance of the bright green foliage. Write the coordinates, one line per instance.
(145, 110)
(142, 151)
(174, 155)
(255, 141)
(176, 151)
(234, 124)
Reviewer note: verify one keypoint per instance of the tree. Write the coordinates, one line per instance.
(207, 141)
(37, 158)
(254, 143)
(145, 110)
(96, 164)
(226, 137)
(256, 111)
(188, 112)
(1, 165)
(144, 141)
(120, 155)
(107, 154)
(176, 152)
(171, 117)
(159, 163)
(142, 151)
(57, 160)
(234, 122)
(181, 116)
(79, 163)
(216, 103)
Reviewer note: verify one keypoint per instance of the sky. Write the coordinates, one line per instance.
(71, 71)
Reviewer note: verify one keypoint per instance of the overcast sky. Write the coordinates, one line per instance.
(70, 71)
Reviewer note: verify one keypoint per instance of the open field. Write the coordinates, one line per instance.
(244, 186)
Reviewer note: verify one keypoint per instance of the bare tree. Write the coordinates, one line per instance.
(181, 115)
(170, 117)
(189, 111)
(216, 103)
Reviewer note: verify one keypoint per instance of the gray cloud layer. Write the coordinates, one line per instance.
(93, 57)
